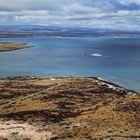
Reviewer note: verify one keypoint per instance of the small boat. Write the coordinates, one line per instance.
(96, 55)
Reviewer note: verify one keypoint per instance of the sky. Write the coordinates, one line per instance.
(109, 14)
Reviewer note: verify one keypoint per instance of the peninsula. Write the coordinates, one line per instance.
(10, 46)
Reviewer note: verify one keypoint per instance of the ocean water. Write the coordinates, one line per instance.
(114, 59)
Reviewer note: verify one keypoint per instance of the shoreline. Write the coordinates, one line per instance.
(110, 84)
(117, 86)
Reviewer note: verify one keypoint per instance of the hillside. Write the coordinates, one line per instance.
(68, 109)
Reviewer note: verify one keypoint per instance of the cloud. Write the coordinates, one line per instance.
(114, 14)
(129, 1)
(125, 6)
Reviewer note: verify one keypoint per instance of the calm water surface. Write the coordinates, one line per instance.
(115, 59)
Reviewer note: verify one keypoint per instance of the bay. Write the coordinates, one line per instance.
(114, 59)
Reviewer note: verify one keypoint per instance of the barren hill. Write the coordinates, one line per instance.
(67, 109)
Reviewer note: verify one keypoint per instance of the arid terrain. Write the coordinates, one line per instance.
(67, 109)
(9, 46)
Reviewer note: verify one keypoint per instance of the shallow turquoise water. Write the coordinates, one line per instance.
(118, 60)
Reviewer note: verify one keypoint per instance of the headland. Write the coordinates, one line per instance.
(67, 108)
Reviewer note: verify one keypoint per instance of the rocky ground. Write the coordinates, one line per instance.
(67, 109)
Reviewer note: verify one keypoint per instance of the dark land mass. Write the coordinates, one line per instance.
(49, 31)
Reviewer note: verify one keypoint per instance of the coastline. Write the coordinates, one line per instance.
(100, 79)
(119, 87)
(47, 64)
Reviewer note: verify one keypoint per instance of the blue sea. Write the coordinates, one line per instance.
(113, 59)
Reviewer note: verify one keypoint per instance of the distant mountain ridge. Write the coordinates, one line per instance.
(36, 30)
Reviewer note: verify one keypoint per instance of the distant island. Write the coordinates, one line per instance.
(10, 46)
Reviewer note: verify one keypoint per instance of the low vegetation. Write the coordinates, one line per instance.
(9, 46)
(70, 108)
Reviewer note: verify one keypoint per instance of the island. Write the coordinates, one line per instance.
(67, 108)
(10, 46)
